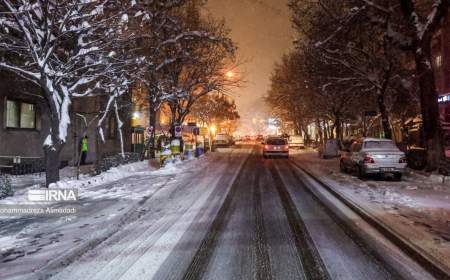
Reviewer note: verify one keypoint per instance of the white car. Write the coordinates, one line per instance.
(373, 156)
(223, 140)
(275, 146)
(296, 141)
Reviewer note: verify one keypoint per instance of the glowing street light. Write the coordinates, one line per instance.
(136, 115)
(213, 129)
(229, 74)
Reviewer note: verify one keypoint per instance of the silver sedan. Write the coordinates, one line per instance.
(373, 156)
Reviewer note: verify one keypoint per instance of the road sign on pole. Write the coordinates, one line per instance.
(203, 131)
(196, 131)
(178, 131)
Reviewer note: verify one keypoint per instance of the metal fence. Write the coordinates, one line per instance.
(16, 165)
(113, 160)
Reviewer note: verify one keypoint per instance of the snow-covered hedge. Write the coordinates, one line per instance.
(115, 160)
(5, 186)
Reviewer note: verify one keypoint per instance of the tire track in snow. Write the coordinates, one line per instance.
(310, 259)
(197, 268)
(263, 265)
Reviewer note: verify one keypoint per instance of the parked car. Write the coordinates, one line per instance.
(330, 149)
(275, 146)
(223, 140)
(373, 156)
(296, 141)
(260, 137)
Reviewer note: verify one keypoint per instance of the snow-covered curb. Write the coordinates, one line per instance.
(415, 208)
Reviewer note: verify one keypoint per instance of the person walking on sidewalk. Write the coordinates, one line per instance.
(84, 149)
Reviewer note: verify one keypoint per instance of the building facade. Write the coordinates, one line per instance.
(24, 125)
(441, 63)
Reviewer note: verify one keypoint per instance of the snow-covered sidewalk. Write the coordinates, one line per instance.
(418, 208)
(108, 202)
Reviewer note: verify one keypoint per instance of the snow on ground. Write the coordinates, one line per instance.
(417, 207)
(107, 202)
(142, 249)
(21, 184)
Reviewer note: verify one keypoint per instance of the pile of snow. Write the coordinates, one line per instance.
(114, 174)
(85, 182)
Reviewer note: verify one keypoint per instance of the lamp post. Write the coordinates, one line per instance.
(212, 131)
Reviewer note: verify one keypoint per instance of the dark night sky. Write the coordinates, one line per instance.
(262, 30)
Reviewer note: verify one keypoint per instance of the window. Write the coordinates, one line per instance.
(20, 115)
(12, 114)
(27, 115)
(276, 141)
(438, 61)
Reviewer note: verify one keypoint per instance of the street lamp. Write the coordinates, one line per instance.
(136, 115)
(213, 129)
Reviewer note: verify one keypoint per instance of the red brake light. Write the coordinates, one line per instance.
(286, 147)
(402, 160)
(266, 147)
(369, 160)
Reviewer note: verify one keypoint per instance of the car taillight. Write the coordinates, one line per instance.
(402, 160)
(369, 160)
(266, 147)
(286, 147)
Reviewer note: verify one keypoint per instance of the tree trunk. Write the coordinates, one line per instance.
(430, 108)
(336, 129)
(320, 132)
(52, 164)
(306, 135)
(325, 131)
(53, 149)
(152, 123)
(384, 116)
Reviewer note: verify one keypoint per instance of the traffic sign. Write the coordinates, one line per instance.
(196, 131)
(203, 131)
(178, 131)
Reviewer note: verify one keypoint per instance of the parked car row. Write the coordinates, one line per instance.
(363, 156)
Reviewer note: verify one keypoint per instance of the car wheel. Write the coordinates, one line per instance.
(342, 167)
(361, 173)
(398, 176)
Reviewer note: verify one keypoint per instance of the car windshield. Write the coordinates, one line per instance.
(380, 145)
(276, 141)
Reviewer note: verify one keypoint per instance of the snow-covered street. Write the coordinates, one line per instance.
(105, 209)
(228, 215)
(211, 139)
(418, 207)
